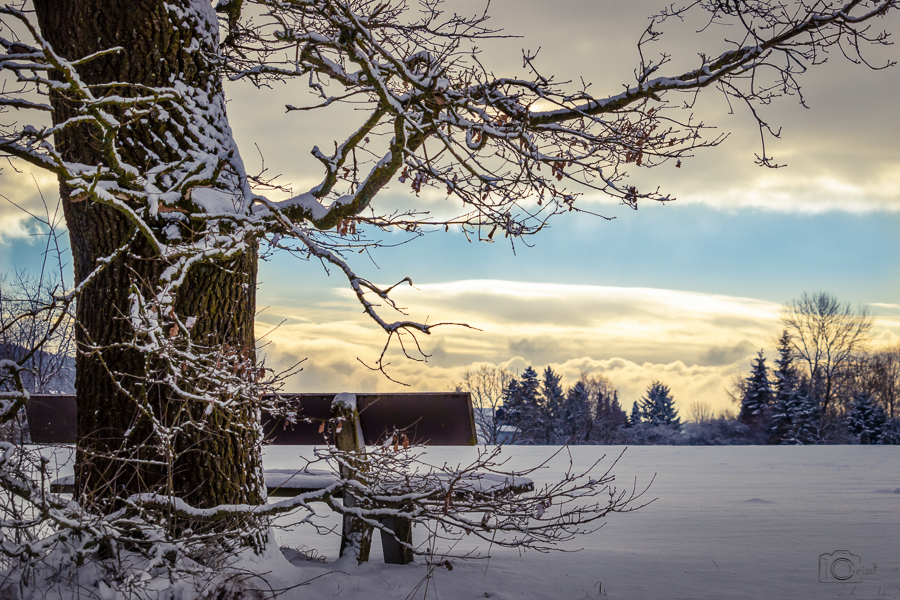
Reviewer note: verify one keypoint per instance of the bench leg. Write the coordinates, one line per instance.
(396, 553)
(356, 534)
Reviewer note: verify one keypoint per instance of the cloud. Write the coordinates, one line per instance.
(697, 340)
(689, 383)
(807, 194)
(726, 355)
(21, 195)
(693, 342)
(886, 332)
(707, 384)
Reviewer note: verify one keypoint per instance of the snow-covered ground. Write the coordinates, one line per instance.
(729, 522)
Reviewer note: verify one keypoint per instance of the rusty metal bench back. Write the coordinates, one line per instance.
(436, 419)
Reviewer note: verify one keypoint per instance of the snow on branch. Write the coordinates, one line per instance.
(482, 498)
(451, 124)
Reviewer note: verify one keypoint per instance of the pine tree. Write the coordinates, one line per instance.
(506, 413)
(658, 407)
(758, 395)
(553, 398)
(523, 409)
(616, 413)
(601, 406)
(786, 378)
(577, 413)
(636, 416)
(795, 417)
(530, 386)
(786, 387)
(892, 431)
(608, 417)
(867, 420)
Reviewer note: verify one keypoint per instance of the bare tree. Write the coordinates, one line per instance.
(608, 416)
(36, 329)
(486, 384)
(480, 499)
(700, 412)
(736, 388)
(878, 373)
(886, 365)
(825, 335)
(25, 324)
(165, 222)
(598, 385)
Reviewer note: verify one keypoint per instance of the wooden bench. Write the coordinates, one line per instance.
(437, 419)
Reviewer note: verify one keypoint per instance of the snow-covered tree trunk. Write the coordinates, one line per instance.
(163, 45)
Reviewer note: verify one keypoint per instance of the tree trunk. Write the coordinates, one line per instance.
(164, 44)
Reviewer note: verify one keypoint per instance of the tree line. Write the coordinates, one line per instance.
(826, 387)
(536, 409)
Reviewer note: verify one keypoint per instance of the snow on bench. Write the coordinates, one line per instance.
(287, 483)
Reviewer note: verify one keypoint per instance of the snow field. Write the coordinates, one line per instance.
(728, 522)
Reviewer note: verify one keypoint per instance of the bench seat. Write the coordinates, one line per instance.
(287, 483)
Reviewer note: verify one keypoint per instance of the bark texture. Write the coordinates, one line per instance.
(221, 463)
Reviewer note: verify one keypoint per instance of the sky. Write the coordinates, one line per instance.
(685, 293)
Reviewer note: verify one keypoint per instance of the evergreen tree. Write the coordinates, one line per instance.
(891, 431)
(636, 416)
(616, 413)
(758, 395)
(601, 406)
(577, 414)
(553, 399)
(786, 387)
(609, 411)
(658, 407)
(867, 420)
(523, 408)
(796, 417)
(530, 387)
(608, 417)
(511, 401)
(786, 378)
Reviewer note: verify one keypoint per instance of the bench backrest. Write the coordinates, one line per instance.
(437, 418)
(52, 419)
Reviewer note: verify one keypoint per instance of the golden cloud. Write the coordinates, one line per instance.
(693, 342)
(20, 195)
